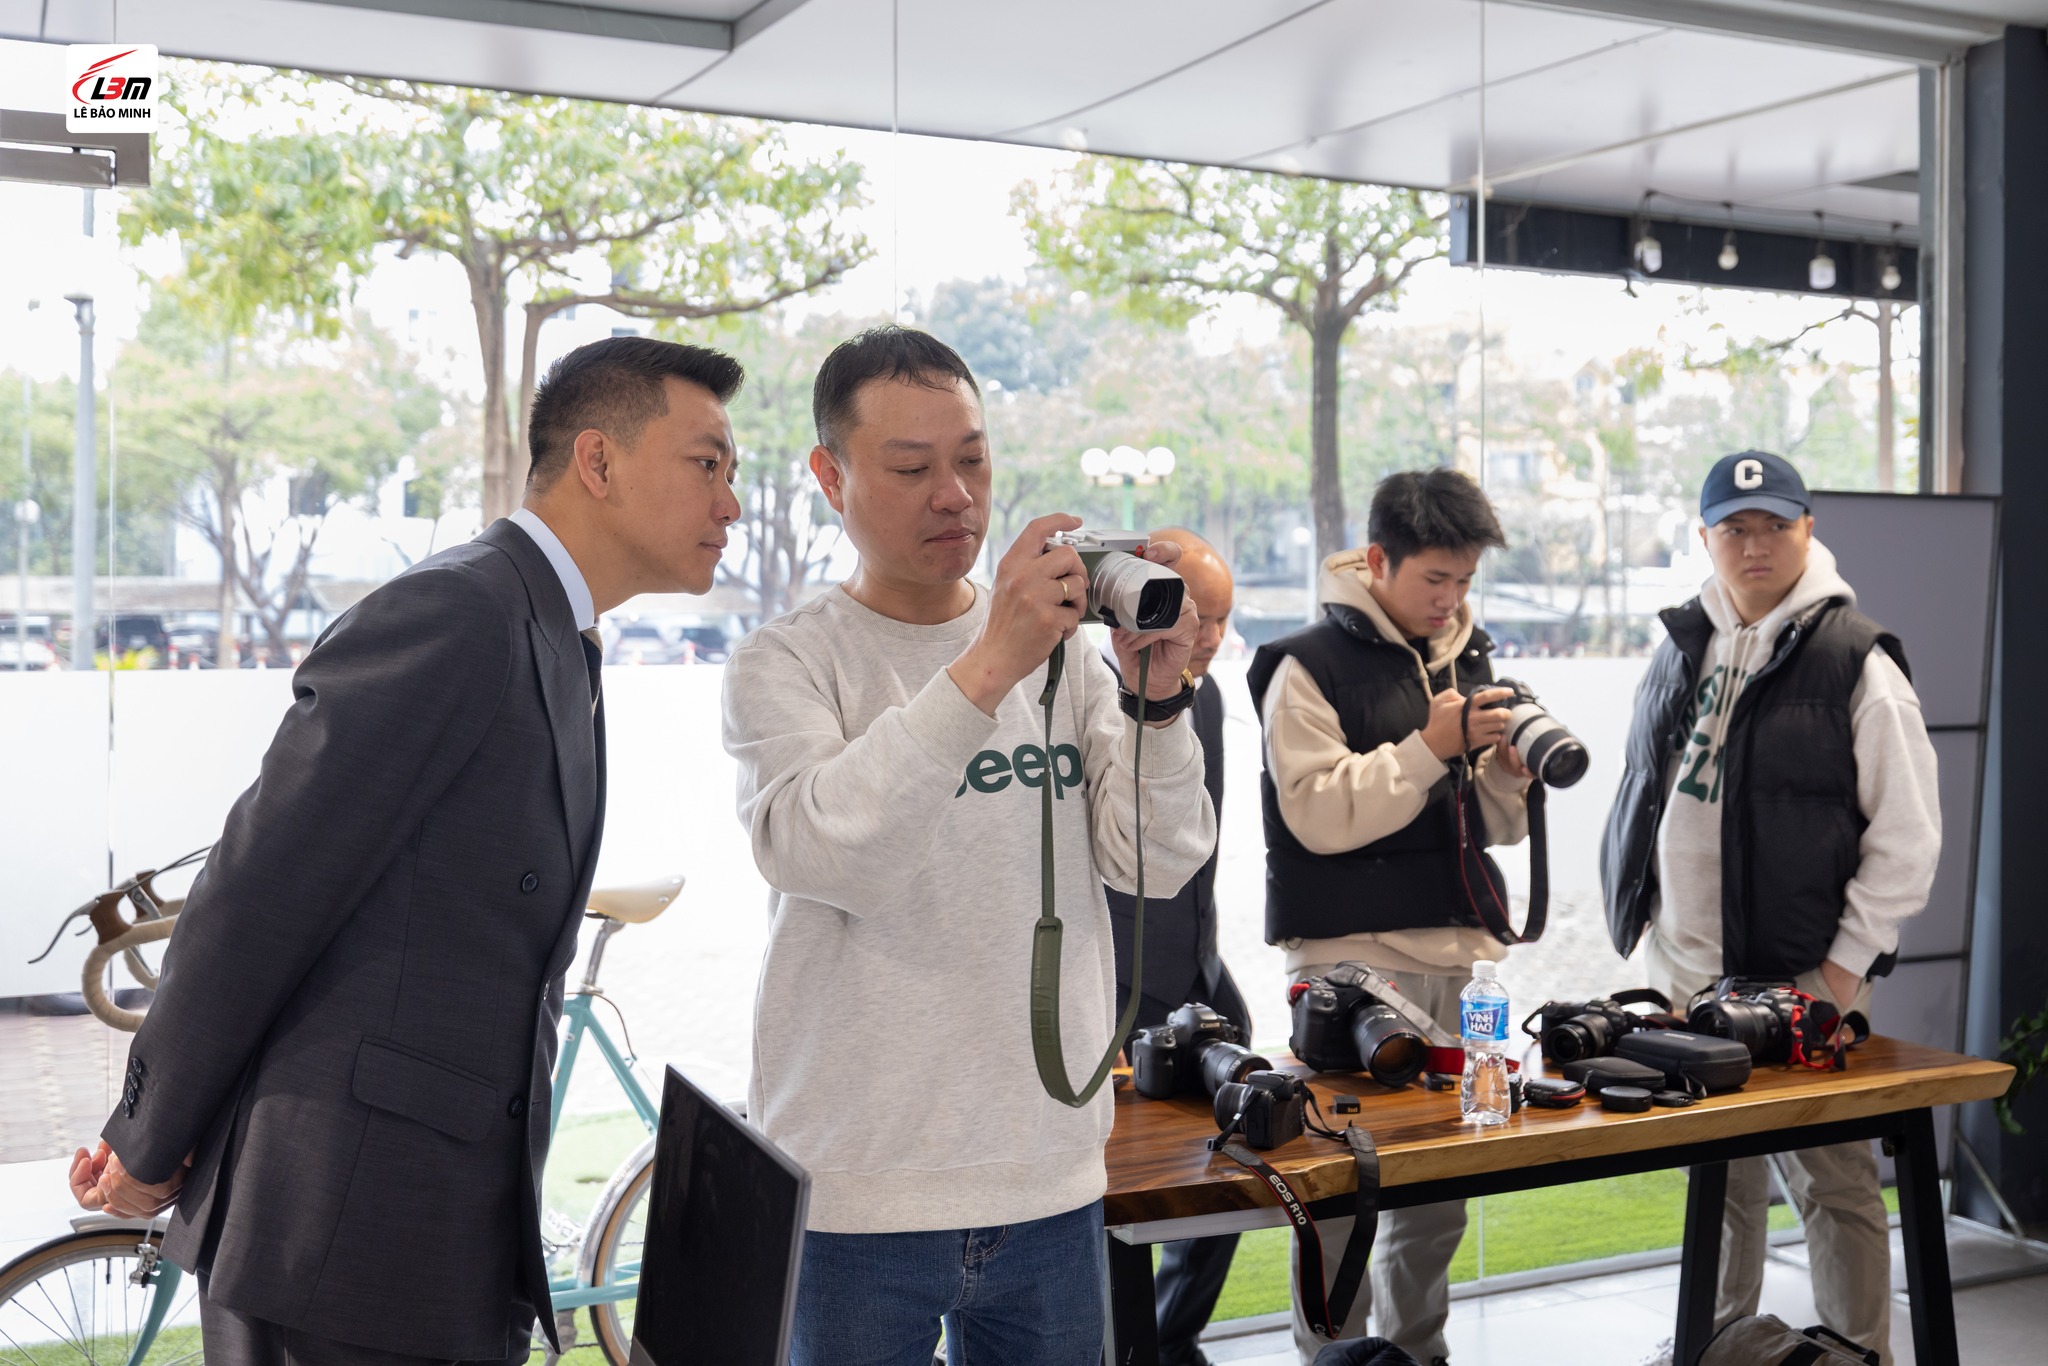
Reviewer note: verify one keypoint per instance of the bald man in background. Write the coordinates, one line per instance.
(1181, 961)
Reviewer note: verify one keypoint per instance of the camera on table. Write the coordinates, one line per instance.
(1340, 1026)
(1770, 1017)
(1554, 755)
(1267, 1108)
(1123, 590)
(1197, 1049)
(1571, 1030)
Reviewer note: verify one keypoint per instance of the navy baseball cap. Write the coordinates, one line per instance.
(1752, 479)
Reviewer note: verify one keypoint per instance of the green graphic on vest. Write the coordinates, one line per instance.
(992, 770)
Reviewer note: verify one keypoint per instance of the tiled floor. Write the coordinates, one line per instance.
(1623, 1319)
(57, 1079)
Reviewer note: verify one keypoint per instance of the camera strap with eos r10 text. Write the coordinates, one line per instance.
(1490, 903)
(1324, 1303)
(1046, 934)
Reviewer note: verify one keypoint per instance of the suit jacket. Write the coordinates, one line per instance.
(356, 1025)
(1180, 930)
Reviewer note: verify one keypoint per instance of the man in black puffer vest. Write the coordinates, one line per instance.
(1364, 717)
(1778, 817)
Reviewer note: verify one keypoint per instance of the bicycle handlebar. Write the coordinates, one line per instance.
(93, 987)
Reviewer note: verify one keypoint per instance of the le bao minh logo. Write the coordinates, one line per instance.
(112, 88)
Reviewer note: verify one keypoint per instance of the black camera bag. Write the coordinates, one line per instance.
(1690, 1062)
(1597, 1074)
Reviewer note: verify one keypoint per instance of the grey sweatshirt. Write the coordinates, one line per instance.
(899, 827)
(1895, 789)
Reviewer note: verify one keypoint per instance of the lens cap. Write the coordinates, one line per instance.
(1627, 1100)
(1551, 1094)
(1672, 1100)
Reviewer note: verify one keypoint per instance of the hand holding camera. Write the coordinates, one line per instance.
(1038, 600)
(1132, 589)
(1447, 733)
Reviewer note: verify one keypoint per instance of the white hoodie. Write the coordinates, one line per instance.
(1895, 788)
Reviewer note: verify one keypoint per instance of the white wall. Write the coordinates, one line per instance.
(184, 745)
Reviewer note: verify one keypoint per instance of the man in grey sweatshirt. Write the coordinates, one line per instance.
(1778, 817)
(892, 763)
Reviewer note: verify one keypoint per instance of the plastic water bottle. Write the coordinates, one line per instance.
(1483, 1020)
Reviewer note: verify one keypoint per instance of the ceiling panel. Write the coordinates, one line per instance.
(340, 38)
(1796, 160)
(1332, 69)
(1584, 109)
(971, 69)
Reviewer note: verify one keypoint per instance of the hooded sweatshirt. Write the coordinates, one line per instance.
(1895, 788)
(1335, 799)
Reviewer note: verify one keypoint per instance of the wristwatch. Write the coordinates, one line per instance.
(1163, 710)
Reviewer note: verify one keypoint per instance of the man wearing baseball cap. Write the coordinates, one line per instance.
(1777, 818)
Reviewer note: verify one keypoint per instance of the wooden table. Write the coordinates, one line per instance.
(1164, 1184)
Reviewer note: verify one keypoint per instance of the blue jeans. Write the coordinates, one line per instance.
(1019, 1295)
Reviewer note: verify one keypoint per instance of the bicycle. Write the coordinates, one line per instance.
(102, 1293)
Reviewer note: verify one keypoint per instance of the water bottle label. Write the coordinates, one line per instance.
(1489, 1022)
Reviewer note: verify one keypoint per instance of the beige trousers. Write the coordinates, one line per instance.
(1409, 1276)
(1840, 1206)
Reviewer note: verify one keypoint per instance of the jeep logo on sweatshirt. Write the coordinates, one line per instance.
(991, 770)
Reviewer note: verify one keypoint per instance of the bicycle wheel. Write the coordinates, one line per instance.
(614, 1257)
(70, 1303)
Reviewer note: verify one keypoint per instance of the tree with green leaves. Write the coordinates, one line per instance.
(1174, 240)
(787, 529)
(280, 184)
(257, 438)
(141, 526)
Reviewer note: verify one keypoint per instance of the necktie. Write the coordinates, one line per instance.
(593, 656)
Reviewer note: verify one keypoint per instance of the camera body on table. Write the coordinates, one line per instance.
(1341, 1026)
(1196, 1050)
(1266, 1108)
(1773, 1019)
(1570, 1030)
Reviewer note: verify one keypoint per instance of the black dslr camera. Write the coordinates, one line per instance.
(1339, 1026)
(1195, 1050)
(1774, 1020)
(1571, 1030)
(1268, 1108)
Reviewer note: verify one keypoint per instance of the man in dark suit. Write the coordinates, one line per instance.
(343, 1083)
(1181, 960)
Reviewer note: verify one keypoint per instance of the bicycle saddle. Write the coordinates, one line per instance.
(639, 903)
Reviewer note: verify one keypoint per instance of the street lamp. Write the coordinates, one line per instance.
(1126, 467)
(82, 272)
(26, 513)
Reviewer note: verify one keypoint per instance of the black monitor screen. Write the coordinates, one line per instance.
(724, 1233)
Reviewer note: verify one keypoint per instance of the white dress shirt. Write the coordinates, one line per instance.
(580, 603)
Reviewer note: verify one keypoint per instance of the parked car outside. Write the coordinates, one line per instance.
(639, 642)
(26, 651)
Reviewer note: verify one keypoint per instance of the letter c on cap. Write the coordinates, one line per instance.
(1749, 474)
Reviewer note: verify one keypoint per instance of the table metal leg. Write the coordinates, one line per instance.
(1699, 1265)
(1923, 1228)
(1133, 1330)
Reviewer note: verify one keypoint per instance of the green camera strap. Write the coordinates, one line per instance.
(1045, 937)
